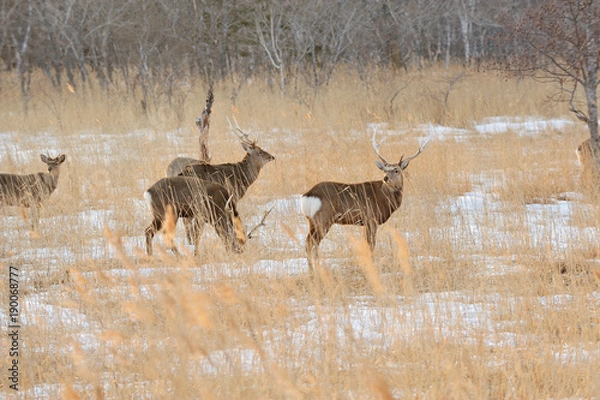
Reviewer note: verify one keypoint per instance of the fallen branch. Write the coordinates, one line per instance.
(261, 223)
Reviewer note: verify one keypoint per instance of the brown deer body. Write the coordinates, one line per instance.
(203, 201)
(367, 204)
(31, 190)
(175, 167)
(235, 177)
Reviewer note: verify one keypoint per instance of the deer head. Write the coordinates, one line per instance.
(256, 154)
(393, 171)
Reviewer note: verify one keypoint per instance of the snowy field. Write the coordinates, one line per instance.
(492, 239)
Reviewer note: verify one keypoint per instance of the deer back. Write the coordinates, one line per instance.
(176, 166)
(356, 203)
(188, 196)
(192, 197)
(13, 189)
(31, 189)
(235, 177)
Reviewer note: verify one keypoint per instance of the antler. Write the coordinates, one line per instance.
(376, 147)
(261, 223)
(404, 163)
(243, 136)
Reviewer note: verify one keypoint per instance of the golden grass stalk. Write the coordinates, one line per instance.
(402, 257)
(367, 265)
(256, 325)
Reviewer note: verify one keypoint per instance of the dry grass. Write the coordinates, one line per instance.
(460, 301)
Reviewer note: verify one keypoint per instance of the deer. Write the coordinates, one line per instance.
(30, 191)
(588, 155)
(201, 200)
(235, 177)
(368, 204)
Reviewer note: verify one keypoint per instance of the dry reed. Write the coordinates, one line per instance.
(459, 301)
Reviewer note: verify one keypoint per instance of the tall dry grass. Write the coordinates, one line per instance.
(105, 321)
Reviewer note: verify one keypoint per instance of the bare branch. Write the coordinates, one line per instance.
(578, 113)
(261, 223)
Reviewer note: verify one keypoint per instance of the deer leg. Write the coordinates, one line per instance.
(191, 229)
(154, 227)
(35, 214)
(371, 234)
(196, 226)
(316, 233)
(224, 231)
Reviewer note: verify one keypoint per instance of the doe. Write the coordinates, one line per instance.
(203, 201)
(31, 190)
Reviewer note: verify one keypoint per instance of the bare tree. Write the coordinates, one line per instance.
(269, 31)
(20, 38)
(203, 126)
(558, 42)
(157, 47)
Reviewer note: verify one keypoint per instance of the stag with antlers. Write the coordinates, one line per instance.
(235, 177)
(367, 204)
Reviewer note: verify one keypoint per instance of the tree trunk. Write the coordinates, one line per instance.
(592, 105)
(591, 85)
(588, 152)
(592, 170)
(203, 125)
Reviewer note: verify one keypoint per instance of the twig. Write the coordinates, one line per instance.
(261, 223)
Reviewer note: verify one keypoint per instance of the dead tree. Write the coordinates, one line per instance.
(557, 41)
(202, 125)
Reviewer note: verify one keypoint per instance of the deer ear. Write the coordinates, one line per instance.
(44, 158)
(61, 158)
(247, 147)
(380, 165)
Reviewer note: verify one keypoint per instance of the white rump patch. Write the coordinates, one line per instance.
(148, 198)
(310, 205)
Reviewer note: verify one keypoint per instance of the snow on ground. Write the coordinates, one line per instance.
(476, 216)
(525, 126)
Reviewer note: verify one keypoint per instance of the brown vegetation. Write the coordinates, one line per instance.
(475, 291)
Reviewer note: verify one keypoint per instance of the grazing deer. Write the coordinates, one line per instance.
(236, 177)
(588, 155)
(204, 201)
(31, 190)
(367, 204)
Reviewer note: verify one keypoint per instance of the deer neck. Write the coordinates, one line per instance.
(394, 194)
(251, 169)
(50, 179)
